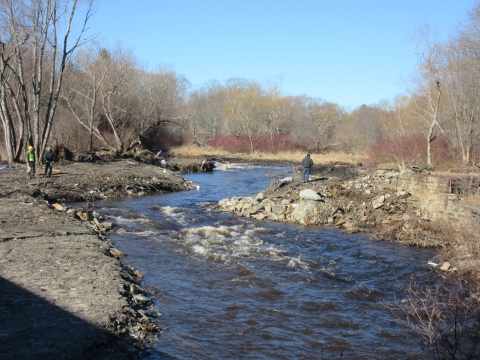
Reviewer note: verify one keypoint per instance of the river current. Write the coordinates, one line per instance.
(231, 288)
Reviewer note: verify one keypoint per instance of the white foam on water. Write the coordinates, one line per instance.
(247, 240)
(200, 249)
(172, 212)
(168, 210)
(298, 263)
(251, 232)
(275, 252)
(121, 230)
(223, 243)
(214, 241)
(126, 221)
(242, 251)
(205, 231)
(218, 258)
(223, 167)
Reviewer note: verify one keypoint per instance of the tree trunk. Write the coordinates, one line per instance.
(432, 137)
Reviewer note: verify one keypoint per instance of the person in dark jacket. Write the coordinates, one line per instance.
(49, 161)
(307, 164)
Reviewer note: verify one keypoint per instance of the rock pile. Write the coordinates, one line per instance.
(364, 203)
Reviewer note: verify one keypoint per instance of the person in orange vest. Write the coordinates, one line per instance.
(30, 157)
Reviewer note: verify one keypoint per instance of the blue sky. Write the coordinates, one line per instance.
(350, 52)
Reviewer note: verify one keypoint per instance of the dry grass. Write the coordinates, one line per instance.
(291, 156)
(464, 251)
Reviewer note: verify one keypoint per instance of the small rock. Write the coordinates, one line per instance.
(117, 253)
(85, 216)
(141, 298)
(59, 207)
(149, 328)
(445, 266)
(278, 209)
(378, 202)
(260, 197)
(286, 180)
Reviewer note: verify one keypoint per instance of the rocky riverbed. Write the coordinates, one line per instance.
(406, 206)
(64, 292)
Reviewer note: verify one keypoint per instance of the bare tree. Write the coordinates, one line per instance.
(159, 101)
(38, 37)
(429, 90)
(81, 95)
(241, 111)
(119, 71)
(205, 113)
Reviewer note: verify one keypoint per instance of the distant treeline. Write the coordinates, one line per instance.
(69, 90)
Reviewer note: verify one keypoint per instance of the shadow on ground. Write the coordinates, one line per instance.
(33, 328)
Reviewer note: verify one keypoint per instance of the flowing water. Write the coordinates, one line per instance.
(231, 288)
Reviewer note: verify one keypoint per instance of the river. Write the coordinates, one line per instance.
(231, 288)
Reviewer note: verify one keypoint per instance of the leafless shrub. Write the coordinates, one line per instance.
(464, 250)
(68, 134)
(448, 321)
(419, 232)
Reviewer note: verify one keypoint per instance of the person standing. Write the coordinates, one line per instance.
(307, 164)
(49, 161)
(30, 157)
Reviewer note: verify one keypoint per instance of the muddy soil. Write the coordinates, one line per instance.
(64, 293)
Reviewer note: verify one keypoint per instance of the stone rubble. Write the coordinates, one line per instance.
(353, 205)
(405, 207)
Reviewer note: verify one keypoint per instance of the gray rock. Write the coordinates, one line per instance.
(286, 180)
(378, 202)
(308, 194)
(304, 212)
(260, 197)
(278, 209)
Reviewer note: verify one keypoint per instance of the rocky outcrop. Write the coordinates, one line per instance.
(367, 202)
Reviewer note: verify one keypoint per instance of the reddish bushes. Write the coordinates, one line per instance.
(263, 143)
(408, 150)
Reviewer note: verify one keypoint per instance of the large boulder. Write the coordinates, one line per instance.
(305, 212)
(308, 194)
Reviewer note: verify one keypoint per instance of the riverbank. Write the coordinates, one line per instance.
(412, 208)
(64, 292)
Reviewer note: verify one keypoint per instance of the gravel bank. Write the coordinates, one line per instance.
(64, 293)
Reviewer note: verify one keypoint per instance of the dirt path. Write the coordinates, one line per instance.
(63, 292)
